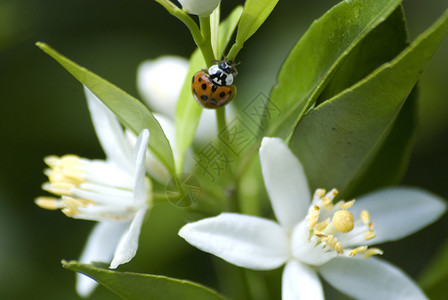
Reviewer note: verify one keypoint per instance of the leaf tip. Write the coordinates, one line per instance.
(41, 45)
(67, 264)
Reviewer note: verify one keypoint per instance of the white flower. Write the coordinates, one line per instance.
(160, 82)
(115, 192)
(320, 237)
(201, 8)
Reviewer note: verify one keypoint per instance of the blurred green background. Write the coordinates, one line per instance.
(43, 112)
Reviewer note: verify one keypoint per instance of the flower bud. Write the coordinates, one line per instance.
(201, 8)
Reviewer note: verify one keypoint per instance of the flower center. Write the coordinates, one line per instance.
(88, 189)
(335, 231)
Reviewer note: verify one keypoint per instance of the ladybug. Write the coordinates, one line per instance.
(214, 88)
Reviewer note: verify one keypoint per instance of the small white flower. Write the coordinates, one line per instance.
(319, 237)
(115, 192)
(201, 8)
(160, 81)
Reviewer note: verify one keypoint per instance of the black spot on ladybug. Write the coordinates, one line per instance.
(204, 86)
(214, 87)
(213, 101)
(200, 79)
(230, 92)
(192, 81)
(204, 98)
(222, 94)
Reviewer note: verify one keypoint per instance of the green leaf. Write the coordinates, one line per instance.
(339, 139)
(318, 54)
(227, 28)
(188, 111)
(134, 286)
(254, 14)
(131, 112)
(435, 275)
(382, 44)
(390, 163)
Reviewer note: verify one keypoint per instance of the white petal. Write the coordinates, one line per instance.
(140, 188)
(100, 247)
(370, 279)
(285, 182)
(160, 81)
(128, 245)
(109, 132)
(245, 241)
(399, 212)
(300, 282)
(199, 7)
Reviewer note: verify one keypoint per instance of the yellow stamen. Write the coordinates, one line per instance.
(321, 226)
(369, 235)
(327, 203)
(319, 234)
(373, 251)
(343, 221)
(59, 188)
(313, 217)
(49, 203)
(319, 193)
(333, 193)
(365, 217)
(346, 205)
(361, 249)
(338, 248)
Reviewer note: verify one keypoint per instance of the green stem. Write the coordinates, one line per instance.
(199, 36)
(206, 44)
(236, 48)
(221, 121)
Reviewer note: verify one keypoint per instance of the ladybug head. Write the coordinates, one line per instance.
(226, 66)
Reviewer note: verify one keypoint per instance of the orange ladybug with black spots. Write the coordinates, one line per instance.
(214, 88)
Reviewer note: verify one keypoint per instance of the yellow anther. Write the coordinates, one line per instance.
(333, 193)
(373, 251)
(313, 217)
(343, 221)
(361, 249)
(58, 188)
(346, 205)
(338, 248)
(319, 193)
(319, 234)
(321, 226)
(49, 203)
(51, 160)
(365, 217)
(327, 203)
(369, 235)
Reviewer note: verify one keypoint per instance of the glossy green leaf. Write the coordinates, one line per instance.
(131, 112)
(390, 163)
(318, 54)
(435, 276)
(188, 111)
(254, 14)
(227, 28)
(134, 286)
(381, 45)
(339, 139)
